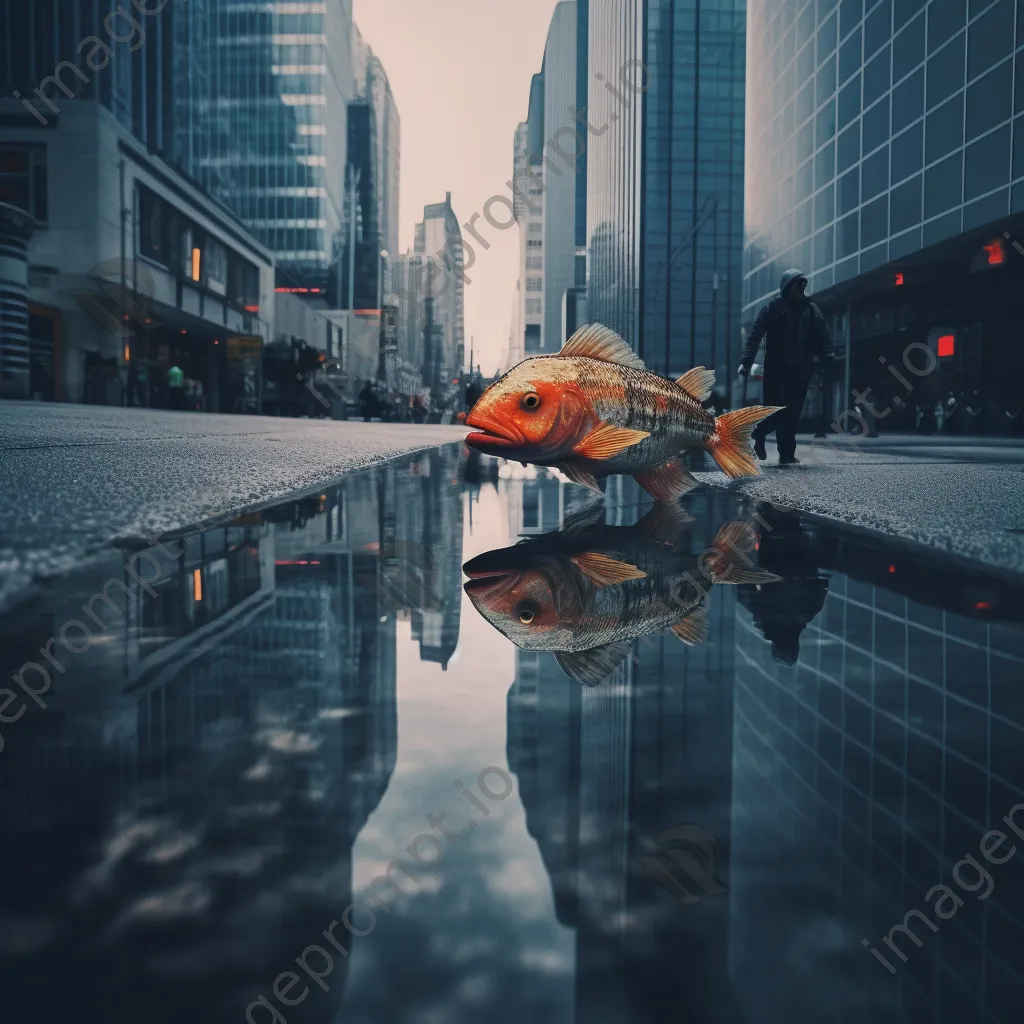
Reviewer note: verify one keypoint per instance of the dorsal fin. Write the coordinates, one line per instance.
(598, 342)
(698, 382)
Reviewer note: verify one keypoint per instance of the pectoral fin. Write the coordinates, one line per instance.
(694, 629)
(607, 440)
(593, 666)
(667, 482)
(605, 571)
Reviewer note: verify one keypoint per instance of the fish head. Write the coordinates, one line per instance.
(535, 411)
(532, 602)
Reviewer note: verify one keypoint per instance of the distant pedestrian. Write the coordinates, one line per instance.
(795, 335)
(367, 402)
(176, 389)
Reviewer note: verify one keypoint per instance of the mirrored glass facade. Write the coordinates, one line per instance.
(613, 170)
(247, 99)
(151, 67)
(885, 159)
(665, 194)
(876, 130)
(284, 82)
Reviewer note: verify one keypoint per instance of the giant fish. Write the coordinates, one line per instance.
(595, 409)
(588, 590)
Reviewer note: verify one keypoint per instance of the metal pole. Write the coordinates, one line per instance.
(846, 376)
(381, 334)
(353, 181)
(714, 290)
(714, 321)
(696, 182)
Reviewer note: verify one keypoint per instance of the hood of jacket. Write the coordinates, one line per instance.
(788, 278)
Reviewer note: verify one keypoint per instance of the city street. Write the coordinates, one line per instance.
(74, 478)
(78, 477)
(399, 623)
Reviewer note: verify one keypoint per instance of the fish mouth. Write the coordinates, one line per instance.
(489, 433)
(485, 582)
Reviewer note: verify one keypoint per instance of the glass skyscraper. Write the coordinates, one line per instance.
(374, 141)
(885, 159)
(665, 177)
(280, 106)
(150, 66)
(248, 100)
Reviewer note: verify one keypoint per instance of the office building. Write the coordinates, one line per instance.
(181, 122)
(372, 178)
(886, 160)
(279, 109)
(665, 178)
(130, 269)
(439, 235)
(406, 277)
(528, 312)
(561, 143)
(544, 176)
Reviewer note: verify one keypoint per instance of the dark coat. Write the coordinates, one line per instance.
(813, 340)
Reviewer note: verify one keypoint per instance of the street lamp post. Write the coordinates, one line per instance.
(714, 291)
(381, 366)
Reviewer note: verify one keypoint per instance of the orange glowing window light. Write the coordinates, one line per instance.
(197, 585)
(947, 344)
(196, 264)
(127, 353)
(996, 255)
(899, 280)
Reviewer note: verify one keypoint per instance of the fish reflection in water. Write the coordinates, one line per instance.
(588, 590)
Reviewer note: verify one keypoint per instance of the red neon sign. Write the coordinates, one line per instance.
(947, 343)
(899, 280)
(995, 253)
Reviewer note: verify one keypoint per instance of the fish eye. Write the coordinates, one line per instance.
(530, 401)
(527, 613)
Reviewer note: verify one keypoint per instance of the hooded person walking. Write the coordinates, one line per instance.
(795, 334)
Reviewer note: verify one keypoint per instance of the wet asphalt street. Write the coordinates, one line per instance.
(75, 477)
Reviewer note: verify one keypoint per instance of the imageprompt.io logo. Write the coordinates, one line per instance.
(685, 860)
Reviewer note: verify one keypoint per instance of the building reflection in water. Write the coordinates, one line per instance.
(844, 745)
(869, 767)
(179, 821)
(180, 818)
(604, 771)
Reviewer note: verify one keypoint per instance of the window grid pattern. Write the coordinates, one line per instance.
(876, 129)
(886, 770)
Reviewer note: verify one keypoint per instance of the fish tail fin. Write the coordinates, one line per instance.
(730, 561)
(730, 445)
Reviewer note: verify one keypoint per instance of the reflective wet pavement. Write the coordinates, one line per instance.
(259, 723)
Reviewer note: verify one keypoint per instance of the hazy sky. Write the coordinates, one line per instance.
(460, 71)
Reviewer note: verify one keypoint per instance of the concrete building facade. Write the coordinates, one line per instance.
(131, 269)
